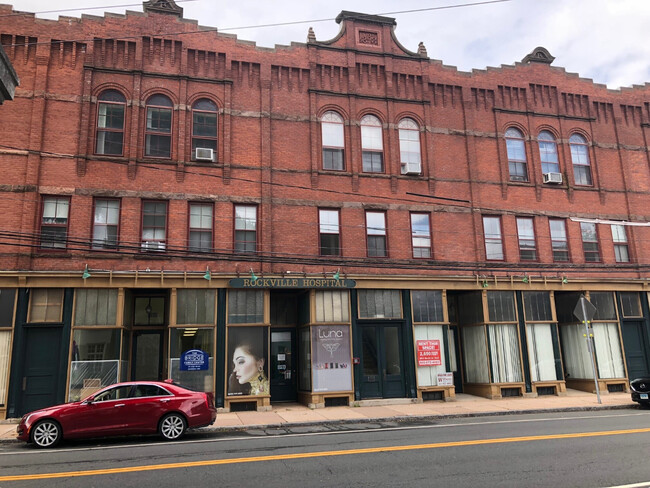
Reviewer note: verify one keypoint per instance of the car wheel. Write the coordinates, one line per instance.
(46, 433)
(172, 426)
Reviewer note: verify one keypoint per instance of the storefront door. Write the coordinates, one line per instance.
(147, 356)
(381, 362)
(283, 365)
(636, 350)
(41, 374)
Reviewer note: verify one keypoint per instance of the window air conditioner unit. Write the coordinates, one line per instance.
(153, 246)
(552, 178)
(204, 154)
(411, 169)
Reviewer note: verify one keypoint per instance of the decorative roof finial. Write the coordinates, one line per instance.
(163, 7)
(311, 37)
(422, 51)
(539, 55)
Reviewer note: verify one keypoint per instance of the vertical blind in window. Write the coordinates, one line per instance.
(504, 353)
(577, 360)
(608, 350)
(195, 307)
(332, 306)
(427, 305)
(5, 348)
(95, 306)
(476, 360)
(245, 306)
(541, 357)
(380, 304)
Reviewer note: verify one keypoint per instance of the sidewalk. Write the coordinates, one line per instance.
(464, 406)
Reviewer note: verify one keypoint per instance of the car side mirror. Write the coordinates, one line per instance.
(89, 400)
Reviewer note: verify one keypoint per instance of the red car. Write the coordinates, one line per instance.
(139, 407)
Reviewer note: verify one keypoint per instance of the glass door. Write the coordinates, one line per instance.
(147, 356)
(283, 365)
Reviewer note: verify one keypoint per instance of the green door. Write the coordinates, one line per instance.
(147, 360)
(636, 349)
(283, 365)
(381, 362)
(42, 367)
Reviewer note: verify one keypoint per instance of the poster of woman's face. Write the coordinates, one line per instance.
(247, 361)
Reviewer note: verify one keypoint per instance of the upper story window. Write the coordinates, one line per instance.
(621, 249)
(409, 147)
(158, 135)
(200, 228)
(245, 228)
(110, 123)
(329, 232)
(516, 155)
(590, 242)
(376, 234)
(372, 147)
(493, 238)
(106, 223)
(580, 160)
(526, 236)
(204, 130)
(420, 235)
(559, 241)
(54, 222)
(548, 152)
(154, 226)
(333, 141)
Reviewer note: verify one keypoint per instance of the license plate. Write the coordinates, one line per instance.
(643, 396)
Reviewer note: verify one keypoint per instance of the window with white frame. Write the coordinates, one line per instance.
(329, 232)
(580, 160)
(493, 238)
(409, 147)
(420, 235)
(106, 223)
(333, 141)
(111, 106)
(590, 242)
(54, 222)
(200, 231)
(548, 152)
(621, 249)
(376, 234)
(372, 148)
(158, 131)
(516, 150)
(526, 236)
(245, 228)
(559, 241)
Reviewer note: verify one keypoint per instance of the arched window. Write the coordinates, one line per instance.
(204, 130)
(409, 147)
(580, 160)
(372, 147)
(516, 155)
(548, 152)
(110, 123)
(158, 135)
(333, 141)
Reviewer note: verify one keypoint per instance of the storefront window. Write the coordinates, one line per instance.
(95, 361)
(245, 306)
(331, 365)
(608, 350)
(191, 361)
(427, 305)
(604, 303)
(247, 355)
(504, 353)
(577, 360)
(430, 360)
(332, 306)
(379, 304)
(631, 304)
(96, 307)
(476, 364)
(195, 307)
(539, 337)
(46, 304)
(5, 348)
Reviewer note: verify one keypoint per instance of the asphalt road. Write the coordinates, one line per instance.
(579, 449)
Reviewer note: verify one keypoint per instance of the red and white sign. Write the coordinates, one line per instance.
(429, 353)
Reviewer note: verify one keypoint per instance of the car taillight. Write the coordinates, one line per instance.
(209, 399)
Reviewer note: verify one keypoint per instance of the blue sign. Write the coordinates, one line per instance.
(194, 360)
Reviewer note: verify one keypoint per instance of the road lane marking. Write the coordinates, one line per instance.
(24, 452)
(306, 455)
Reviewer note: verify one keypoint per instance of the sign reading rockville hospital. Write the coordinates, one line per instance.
(291, 283)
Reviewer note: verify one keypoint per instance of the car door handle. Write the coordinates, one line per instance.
(163, 400)
(119, 405)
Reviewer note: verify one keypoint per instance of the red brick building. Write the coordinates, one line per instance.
(353, 218)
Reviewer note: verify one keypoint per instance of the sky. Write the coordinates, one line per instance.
(607, 41)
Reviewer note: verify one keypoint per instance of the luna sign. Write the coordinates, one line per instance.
(194, 360)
